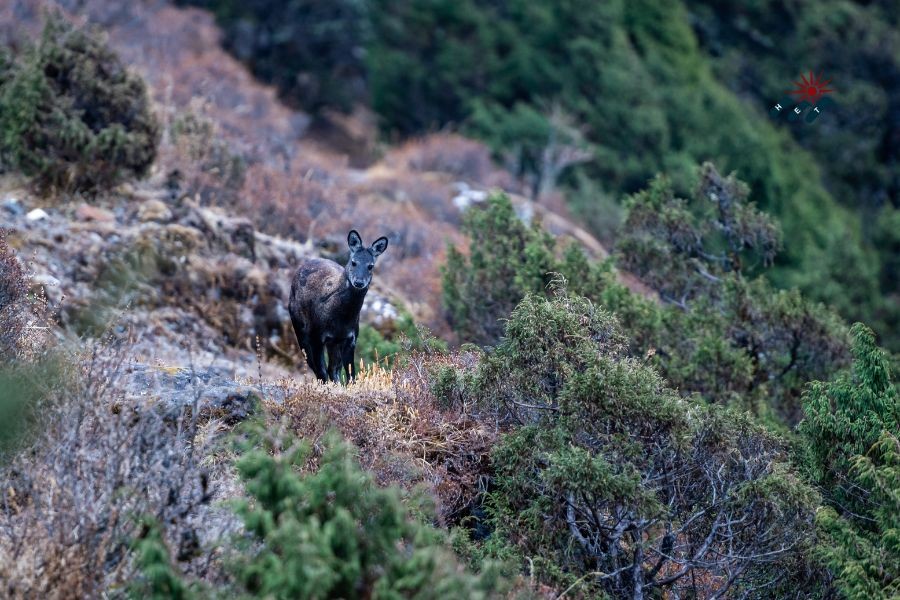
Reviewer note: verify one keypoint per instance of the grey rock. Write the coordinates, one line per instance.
(13, 206)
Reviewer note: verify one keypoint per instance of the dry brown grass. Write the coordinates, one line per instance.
(25, 317)
(404, 436)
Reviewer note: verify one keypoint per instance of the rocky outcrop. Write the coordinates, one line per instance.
(171, 274)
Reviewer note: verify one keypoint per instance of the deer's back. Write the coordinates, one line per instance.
(315, 282)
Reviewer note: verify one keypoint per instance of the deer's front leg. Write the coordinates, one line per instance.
(335, 360)
(348, 358)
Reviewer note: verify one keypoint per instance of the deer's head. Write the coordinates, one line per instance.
(362, 260)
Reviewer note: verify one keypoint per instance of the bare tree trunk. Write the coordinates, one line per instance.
(637, 576)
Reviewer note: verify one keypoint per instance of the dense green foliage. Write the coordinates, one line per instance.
(507, 259)
(588, 421)
(71, 115)
(615, 484)
(852, 426)
(333, 533)
(866, 558)
(720, 333)
(724, 333)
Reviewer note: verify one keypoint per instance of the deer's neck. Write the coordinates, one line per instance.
(350, 299)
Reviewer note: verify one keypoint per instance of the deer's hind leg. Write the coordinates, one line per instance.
(306, 344)
(335, 361)
(318, 361)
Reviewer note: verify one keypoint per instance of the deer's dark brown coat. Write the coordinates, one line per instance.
(325, 303)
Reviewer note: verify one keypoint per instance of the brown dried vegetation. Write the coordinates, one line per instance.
(405, 435)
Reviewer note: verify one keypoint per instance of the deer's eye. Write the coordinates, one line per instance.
(352, 263)
(370, 267)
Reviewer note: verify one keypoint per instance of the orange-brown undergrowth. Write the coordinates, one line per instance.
(404, 434)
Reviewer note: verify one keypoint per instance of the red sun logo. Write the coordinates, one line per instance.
(811, 89)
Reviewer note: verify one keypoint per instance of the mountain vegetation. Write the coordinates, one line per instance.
(601, 98)
(701, 403)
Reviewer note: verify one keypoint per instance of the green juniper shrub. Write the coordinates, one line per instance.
(546, 344)
(722, 332)
(639, 315)
(719, 332)
(374, 347)
(851, 430)
(507, 259)
(318, 526)
(752, 347)
(159, 579)
(615, 484)
(683, 255)
(72, 117)
(866, 559)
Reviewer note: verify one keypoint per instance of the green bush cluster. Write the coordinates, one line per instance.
(605, 473)
(335, 534)
(719, 331)
(72, 117)
(724, 332)
(507, 260)
(611, 483)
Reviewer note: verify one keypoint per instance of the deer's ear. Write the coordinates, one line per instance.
(379, 246)
(354, 241)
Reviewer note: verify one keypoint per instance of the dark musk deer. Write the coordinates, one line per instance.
(325, 302)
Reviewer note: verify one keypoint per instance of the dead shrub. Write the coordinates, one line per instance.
(289, 201)
(453, 154)
(25, 319)
(13, 291)
(199, 163)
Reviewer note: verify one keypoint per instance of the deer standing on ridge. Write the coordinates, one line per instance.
(325, 303)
